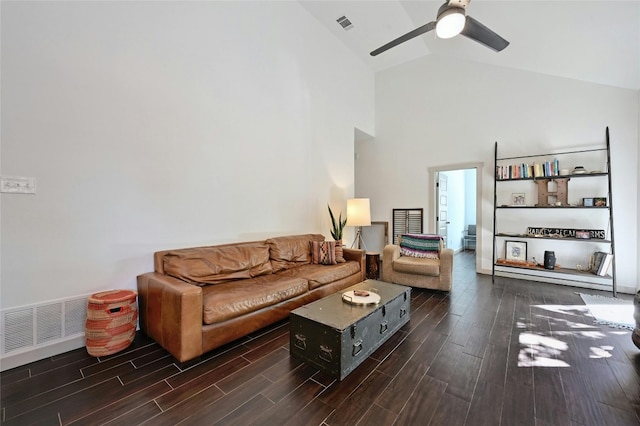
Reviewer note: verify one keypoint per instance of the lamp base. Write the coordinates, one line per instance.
(358, 239)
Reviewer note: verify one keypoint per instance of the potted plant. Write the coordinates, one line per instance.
(337, 226)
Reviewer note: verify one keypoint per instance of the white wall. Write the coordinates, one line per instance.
(437, 111)
(155, 125)
(470, 197)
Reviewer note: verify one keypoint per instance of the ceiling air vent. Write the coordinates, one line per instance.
(344, 22)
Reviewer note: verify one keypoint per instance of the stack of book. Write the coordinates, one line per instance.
(527, 171)
(601, 263)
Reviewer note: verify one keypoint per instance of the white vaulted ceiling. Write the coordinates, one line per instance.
(596, 41)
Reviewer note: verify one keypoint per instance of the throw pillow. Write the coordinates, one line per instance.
(323, 252)
(420, 245)
(339, 252)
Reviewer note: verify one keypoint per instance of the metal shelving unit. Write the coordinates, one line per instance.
(575, 277)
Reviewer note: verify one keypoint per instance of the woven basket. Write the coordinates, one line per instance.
(112, 317)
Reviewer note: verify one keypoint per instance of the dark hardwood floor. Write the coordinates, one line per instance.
(484, 354)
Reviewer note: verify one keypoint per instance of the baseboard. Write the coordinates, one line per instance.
(8, 362)
(627, 290)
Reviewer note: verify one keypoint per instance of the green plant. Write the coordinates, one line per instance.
(336, 226)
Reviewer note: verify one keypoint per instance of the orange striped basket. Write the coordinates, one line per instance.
(112, 317)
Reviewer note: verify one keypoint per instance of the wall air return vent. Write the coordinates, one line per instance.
(29, 327)
(344, 22)
(18, 329)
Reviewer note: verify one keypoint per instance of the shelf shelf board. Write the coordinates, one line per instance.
(580, 175)
(565, 271)
(571, 239)
(553, 207)
(556, 278)
(549, 154)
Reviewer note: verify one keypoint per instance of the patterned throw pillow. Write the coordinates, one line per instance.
(339, 252)
(323, 252)
(420, 245)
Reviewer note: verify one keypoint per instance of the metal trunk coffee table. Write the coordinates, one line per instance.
(336, 333)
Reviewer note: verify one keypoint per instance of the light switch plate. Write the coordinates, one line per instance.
(18, 185)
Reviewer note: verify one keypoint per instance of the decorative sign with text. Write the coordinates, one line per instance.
(567, 232)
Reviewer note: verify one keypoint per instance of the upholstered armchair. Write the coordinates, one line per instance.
(432, 270)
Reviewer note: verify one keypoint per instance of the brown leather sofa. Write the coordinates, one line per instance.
(198, 299)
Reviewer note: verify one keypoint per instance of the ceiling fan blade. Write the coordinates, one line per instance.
(483, 35)
(408, 36)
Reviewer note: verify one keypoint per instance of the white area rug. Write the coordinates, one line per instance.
(616, 313)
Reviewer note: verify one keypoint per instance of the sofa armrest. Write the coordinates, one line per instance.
(390, 253)
(171, 314)
(359, 256)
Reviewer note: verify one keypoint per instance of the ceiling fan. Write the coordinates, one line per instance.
(451, 21)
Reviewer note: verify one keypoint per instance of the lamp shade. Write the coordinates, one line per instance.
(358, 212)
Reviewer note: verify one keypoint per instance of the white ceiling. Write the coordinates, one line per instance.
(596, 41)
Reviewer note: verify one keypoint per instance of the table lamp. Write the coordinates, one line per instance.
(358, 215)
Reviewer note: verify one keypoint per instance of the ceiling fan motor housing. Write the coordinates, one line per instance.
(450, 9)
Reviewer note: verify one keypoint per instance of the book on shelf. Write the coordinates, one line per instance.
(605, 265)
(527, 171)
(601, 263)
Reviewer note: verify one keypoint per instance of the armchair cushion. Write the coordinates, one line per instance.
(416, 265)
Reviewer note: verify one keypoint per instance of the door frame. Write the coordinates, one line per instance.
(438, 179)
(431, 213)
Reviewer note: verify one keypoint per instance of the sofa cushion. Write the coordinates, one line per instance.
(218, 264)
(339, 252)
(292, 251)
(417, 265)
(323, 252)
(233, 299)
(319, 275)
(420, 245)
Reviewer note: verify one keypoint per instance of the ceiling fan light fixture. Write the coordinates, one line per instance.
(450, 23)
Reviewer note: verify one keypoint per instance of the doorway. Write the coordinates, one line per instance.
(456, 191)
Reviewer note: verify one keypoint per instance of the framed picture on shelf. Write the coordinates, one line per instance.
(587, 202)
(518, 199)
(516, 250)
(600, 202)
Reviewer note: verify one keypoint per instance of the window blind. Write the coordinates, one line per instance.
(406, 221)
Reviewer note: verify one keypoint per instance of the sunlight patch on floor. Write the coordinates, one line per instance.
(575, 310)
(546, 337)
(592, 334)
(541, 351)
(601, 352)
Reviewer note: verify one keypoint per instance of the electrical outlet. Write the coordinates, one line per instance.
(18, 185)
